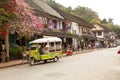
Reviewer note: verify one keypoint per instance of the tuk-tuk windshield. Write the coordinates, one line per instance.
(33, 48)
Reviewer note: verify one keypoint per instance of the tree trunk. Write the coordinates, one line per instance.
(7, 45)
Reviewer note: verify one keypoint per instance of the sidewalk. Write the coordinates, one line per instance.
(20, 62)
(12, 63)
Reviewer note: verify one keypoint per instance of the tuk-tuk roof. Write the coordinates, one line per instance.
(46, 39)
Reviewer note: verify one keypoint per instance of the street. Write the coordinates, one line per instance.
(97, 65)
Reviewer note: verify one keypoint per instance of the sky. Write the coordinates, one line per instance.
(105, 8)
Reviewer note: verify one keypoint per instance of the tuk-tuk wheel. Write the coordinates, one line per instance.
(45, 61)
(32, 61)
(56, 59)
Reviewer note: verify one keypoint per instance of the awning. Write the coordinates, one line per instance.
(90, 37)
(58, 33)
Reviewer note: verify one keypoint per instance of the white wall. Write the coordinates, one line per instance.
(60, 27)
(74, 28)
(80, 32)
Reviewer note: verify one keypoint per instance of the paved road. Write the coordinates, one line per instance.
(97, 65)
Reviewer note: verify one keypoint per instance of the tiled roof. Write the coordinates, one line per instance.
(43, 7)
(103, 28)
(70, 17)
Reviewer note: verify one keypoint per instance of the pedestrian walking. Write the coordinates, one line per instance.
(78, 47)
(25, 55)
(3, 56)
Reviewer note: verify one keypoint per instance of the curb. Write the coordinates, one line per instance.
(7, 66)
(64, 55)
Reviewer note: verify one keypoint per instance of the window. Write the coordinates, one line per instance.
(85, 30)
(54, 23)
(99, 33)
(63, 25)
(82, 30)
(95, 33)
(52, 44)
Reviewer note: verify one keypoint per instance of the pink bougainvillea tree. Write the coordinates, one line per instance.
(27, 23)
(7, 12)
(18, 16)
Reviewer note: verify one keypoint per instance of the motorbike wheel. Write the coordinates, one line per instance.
(55, 59)
(32, 62)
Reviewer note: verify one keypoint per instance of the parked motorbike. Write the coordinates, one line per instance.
(69, 52)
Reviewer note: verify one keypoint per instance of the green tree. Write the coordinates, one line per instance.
(104, 21)
(110, 21)
(69, 9)
(7, 11)
(116, 28)
(85, 13)
(95, 20)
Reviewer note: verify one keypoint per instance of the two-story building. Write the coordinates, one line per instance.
(86, 36)
(73, 30)
(104, 35)
(54, 23)
(49, 17)
(79, 27)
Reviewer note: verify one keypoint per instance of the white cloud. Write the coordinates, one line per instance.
(104, 8)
